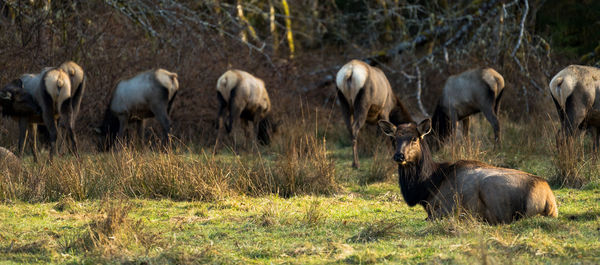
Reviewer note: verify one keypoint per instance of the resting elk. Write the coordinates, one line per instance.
(37, 98)
(574, 90)
(366, 96)
(242, 98)
(465, 94)
(497, 195)
(146, 95)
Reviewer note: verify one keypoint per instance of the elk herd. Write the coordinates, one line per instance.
(53, 97)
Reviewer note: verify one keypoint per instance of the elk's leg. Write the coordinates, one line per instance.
(220, 118)
(577, 107)
(346, 112)
(248, 140)
(123, 122)
(50, 122)
(23, 124)
(347, 115)
(465, 127)
(141, 124)
(235, 111)
(70, 132)
(453, 122)
(77, 98)
(361, 110)
(595, 138)
(493, 119)
(165, 122)
(33, 143)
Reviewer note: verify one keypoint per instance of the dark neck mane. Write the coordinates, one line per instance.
(440, 122)
(418, 180)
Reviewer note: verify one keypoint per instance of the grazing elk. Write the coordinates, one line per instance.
(20, 105)
(365, 95)
(71, 107)
(245, 98)
(35, 95)
(23, 99)
(146, 95)
(465, 94)
(497, 195)
(574, 90)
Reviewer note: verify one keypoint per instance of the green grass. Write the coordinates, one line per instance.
(361, 223)
(272, 229)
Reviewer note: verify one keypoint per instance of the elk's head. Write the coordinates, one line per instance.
(408, 138)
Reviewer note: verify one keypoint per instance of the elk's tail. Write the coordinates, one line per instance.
(351, 78)
(494, 80)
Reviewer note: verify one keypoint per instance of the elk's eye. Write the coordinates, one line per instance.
(414, 139)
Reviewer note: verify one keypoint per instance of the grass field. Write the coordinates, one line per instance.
(193, 208)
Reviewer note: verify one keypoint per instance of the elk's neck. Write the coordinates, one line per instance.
(418, 180)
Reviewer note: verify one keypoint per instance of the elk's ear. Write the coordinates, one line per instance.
(424, 127)
(387, 127)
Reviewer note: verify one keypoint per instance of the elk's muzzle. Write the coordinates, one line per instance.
(400, 158)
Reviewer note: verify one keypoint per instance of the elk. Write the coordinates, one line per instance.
(465, 94)
(146, 95)
(22, 99)
(37, 98)
(243, 97)
(20, 105)
(574, 90)
(494, 194)
(366, 96)
(71, 107)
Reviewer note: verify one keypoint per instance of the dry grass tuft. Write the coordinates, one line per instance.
(313, 214)
(304, 165)
(66, 203)
(382, 168)
(374, 231)
(112, 232)
(575, 167)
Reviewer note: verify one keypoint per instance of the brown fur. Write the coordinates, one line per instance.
(366, 99)
(147, 94)
(36, 99)
(243, 97)
(465, 94)
(497, 195)
(20, 105)
(576, 94)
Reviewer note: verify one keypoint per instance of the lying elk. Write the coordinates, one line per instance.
(365, 95)
(574, 91)
(146, 95)
(497, 195)
(471, 92)
(245, 98)
(37, 98)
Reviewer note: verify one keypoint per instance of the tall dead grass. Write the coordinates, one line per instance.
(575, 164)
(302, 165)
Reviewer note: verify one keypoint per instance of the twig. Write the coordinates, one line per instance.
(419, 92)
(522, 28)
